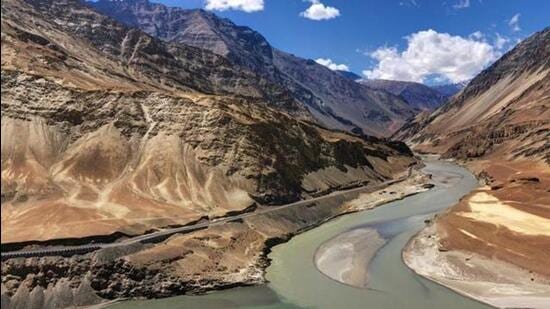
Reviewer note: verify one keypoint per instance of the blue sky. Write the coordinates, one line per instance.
(390, 38)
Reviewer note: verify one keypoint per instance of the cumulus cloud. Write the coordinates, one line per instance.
(514, 23)
(319, 11)
(332, 65)
(462, 4)
(430, 53)
(241, 5)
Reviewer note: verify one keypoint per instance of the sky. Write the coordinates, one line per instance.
(427, 41)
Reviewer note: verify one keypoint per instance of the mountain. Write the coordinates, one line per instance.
(450, 90)
(109, 134)
(349, 75)
(502, 110)
(417, 95)
(334, 100)
(199, 28)
(104, 123)
(498, 127)
(345, 101)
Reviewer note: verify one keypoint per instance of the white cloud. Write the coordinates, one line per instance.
(462, 4)
(478, 35)
(501, 41)
(241, 5)
(319, 11)
(514, 23)
(331, 65)
(430, 53)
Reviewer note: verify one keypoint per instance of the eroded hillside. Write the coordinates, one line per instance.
(106, 129)
(503, 111)
(332, 99)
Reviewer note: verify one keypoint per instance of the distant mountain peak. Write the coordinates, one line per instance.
(451, 89)
(418, 95)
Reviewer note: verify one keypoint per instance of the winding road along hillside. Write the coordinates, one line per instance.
(165, 233)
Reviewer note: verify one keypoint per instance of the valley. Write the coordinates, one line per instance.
(160, 156)
(135, 167)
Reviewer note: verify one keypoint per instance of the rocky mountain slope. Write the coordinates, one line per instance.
(505, 105)
(349, 75)
(106, 129)
(333, 100)
(499, 126)
(417, 95)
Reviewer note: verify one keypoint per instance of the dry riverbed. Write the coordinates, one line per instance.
(344, 258)
(489, 280)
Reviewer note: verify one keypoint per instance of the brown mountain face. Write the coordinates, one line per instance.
(107, 129)
(199, 28)
(345, 101)
(121, 58)
(499, 125)
(334, 100)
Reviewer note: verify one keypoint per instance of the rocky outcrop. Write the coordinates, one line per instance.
(47, 283)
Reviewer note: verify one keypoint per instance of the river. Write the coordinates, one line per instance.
(295, 281)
